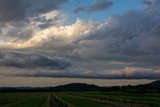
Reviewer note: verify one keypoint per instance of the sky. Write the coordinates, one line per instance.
(89, 39)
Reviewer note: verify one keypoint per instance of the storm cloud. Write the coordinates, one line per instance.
(124, 45)
(129, 37)
(11, 10)
(98, 5)
(15, 10)
(31, 60)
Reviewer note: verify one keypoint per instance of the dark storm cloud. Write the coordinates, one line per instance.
(79, 9)
(98, 5)
(15, 10)
(130, 37)
(31, 60)
(11, 10)
(151, 2)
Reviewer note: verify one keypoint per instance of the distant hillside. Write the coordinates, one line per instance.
(78, 87)
(153, 87)
(67, 87)
(155, 84)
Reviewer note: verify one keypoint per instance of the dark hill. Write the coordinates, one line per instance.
(67, 87)
(153, 87)
(155, 84)
(78, 87)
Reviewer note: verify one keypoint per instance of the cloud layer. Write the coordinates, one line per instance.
(31, 60)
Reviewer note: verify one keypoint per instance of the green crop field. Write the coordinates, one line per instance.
(79, 99)
(110, 99)
(30, 100)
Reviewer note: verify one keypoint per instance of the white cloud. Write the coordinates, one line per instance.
(55, 36)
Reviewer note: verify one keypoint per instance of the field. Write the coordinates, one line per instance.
(79, 99)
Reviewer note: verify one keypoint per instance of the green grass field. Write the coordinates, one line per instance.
(29, 100)
(79, 99)
(111, 99)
